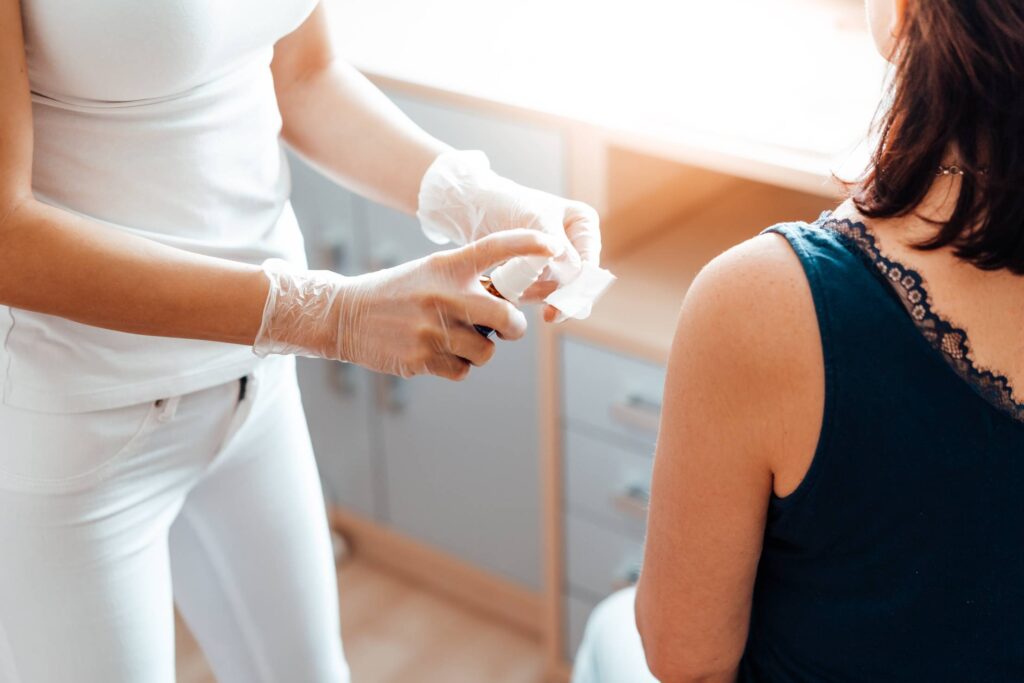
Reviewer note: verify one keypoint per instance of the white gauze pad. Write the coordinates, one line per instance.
(574, 299)
(577, 298)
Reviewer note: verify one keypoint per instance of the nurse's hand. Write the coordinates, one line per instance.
(462, 200)
(416, 318)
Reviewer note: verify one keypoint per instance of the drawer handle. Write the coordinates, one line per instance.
(633, 500)
(342, 379)
(336, 255)
(392, 394)
(637, 412)
(630, 576)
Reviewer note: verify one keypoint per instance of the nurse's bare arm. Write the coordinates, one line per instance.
(743, 406)
(52, 261)
(344, 124)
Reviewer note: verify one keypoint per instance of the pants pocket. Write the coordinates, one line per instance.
(54, 452)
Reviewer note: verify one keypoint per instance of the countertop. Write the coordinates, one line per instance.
(779, 91)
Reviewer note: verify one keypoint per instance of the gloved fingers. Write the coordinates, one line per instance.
(492, 250)
(583, 228)
(552, 314)
(449, 207)
(501, 316)
(448, 366)
(539, 290)
(548, 214)
(445, 334)
(470, 345)
(430, 354)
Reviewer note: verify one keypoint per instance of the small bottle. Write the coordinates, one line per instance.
(510, 280)
(488, 284)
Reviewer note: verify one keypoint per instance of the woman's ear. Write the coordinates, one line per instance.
(898, 14)
(885, 18)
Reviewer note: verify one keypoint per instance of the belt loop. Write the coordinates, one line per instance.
(168, 408)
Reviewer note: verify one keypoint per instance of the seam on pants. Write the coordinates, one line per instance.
(7, 658)
(6, 388)
(234, 600)
(243, 409)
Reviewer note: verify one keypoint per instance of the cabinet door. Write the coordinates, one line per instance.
(462, 458)
(337, 396)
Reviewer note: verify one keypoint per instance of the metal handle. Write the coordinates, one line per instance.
(332, 251)
(392, 391)
(384, 258)
(342, 378)
(337, 253)
(630, 575)
(392, 394)
(633, 500)
(637, 412)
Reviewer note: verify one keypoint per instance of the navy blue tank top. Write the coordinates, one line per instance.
(900, 557)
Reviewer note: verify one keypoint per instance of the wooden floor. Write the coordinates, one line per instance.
(395, 632)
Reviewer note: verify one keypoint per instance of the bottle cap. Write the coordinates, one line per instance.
(514, 277)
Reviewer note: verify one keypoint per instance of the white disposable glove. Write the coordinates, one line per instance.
(461, 200)
(416, 318)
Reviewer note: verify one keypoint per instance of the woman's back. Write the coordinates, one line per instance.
(836, 491)
(895, 556)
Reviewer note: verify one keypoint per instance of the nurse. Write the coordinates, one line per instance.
(153, 291)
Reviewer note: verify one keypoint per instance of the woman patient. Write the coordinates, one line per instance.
(839, 482)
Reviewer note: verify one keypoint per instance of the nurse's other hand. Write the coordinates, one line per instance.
(416, 318)
(462, 200)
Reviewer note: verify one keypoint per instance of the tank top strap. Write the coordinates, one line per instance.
(860, 277)
(860, 319)
(868, 344)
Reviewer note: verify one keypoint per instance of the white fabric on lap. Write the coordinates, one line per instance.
(611, 651)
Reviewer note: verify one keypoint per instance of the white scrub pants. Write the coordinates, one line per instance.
(611, 651)
(217, 497)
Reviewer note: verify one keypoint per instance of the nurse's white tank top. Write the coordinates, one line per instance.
(158, 118)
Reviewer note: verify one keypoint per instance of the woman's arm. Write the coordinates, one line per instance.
(416, 318)
(54, 262)
(742, 410)
(344, 124)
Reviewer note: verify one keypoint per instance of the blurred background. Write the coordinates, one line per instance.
(478, 524)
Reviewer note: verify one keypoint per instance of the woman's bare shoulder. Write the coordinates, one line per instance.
(740, 419)
(758, 289)
(750, 319)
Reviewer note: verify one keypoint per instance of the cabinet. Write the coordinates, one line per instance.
(337, 397)
(454, 465)
(609, 423)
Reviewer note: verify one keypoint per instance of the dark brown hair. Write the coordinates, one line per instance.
(957, 85)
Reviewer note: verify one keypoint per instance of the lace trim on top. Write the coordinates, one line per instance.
(950, 341)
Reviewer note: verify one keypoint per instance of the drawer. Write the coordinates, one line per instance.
(607, 483)
(613, 393)
(599, 561)
(576, 611)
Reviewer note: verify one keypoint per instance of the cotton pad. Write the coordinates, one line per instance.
(574, 299)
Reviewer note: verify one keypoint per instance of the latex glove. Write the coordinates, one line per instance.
(461, 200)
(416, 318)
